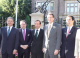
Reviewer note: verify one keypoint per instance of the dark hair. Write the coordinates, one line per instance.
(51, 14)
(38, 21)
(23, 21)
(10, 18)
(73, 19)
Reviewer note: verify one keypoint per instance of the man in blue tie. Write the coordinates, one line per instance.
(10, 39)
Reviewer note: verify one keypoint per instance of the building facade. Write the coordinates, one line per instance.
(60, 9)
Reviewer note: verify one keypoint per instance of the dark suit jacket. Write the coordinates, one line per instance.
(68, 43)
(11, 42)
(37, 43)
(27, 41)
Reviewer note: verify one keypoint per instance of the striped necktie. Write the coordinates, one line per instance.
(36, 34)
(8, 32)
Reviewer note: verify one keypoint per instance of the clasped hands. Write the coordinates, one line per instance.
(24, 46)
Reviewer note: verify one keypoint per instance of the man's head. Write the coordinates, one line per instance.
(50, 18)
(70, 20)
(10, 21)
(37, 24)
(23, 24)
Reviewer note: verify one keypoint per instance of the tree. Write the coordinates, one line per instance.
(24, 8)
(8, 8)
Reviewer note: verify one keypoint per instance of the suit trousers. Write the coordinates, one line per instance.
(48, 55)
(24, 55)
(6, 55)
(63, 56)
(37, 55)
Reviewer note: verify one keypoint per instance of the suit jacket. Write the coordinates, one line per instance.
(27, 40)
(68, 44)
(54, 39)
(11, 42)
(37, 43)
(77, 44)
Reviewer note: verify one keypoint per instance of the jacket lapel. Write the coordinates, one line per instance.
(26, 37)
(21, 34)
(39, 33)
(6, 31)
(71, 31)
(53, 27)
(34, 34)
(46, 29)
(65, 31)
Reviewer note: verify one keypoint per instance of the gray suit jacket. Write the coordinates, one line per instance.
(54, 38)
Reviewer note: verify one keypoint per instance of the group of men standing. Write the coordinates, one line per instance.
(50, 41)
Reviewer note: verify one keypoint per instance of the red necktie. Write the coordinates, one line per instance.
(68, 32)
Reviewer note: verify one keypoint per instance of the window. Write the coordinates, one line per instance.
(50, 6)
(72, 8)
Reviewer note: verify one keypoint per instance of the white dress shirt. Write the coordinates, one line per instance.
(50, 25)
(46, 35)
(69, 28)
(77, 44)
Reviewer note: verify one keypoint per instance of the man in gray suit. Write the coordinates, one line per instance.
(52, 38)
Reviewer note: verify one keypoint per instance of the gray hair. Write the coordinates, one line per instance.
(10, 18)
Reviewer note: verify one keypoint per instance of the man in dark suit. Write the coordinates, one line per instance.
(68, 38)
(25, 40)
(10, 39)
(38, 34)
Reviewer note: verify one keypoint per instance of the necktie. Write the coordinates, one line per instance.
(68, 31)
(8, 32)
(36, 34)
(24, 34)
(49, 29)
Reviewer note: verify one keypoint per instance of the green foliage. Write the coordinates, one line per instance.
(28, 21)
(24, 8)
(8, 8)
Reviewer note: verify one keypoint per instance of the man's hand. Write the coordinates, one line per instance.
(44, 50)
(56, 52)
(24, 46)
(14, 51)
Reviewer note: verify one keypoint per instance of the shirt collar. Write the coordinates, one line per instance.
(24, 29)
(38, 29)
(10, 26)
(70, 27)
(51, 24)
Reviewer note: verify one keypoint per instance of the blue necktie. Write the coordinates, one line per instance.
(8, 32)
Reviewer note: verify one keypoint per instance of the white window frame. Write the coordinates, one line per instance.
(66, 2)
